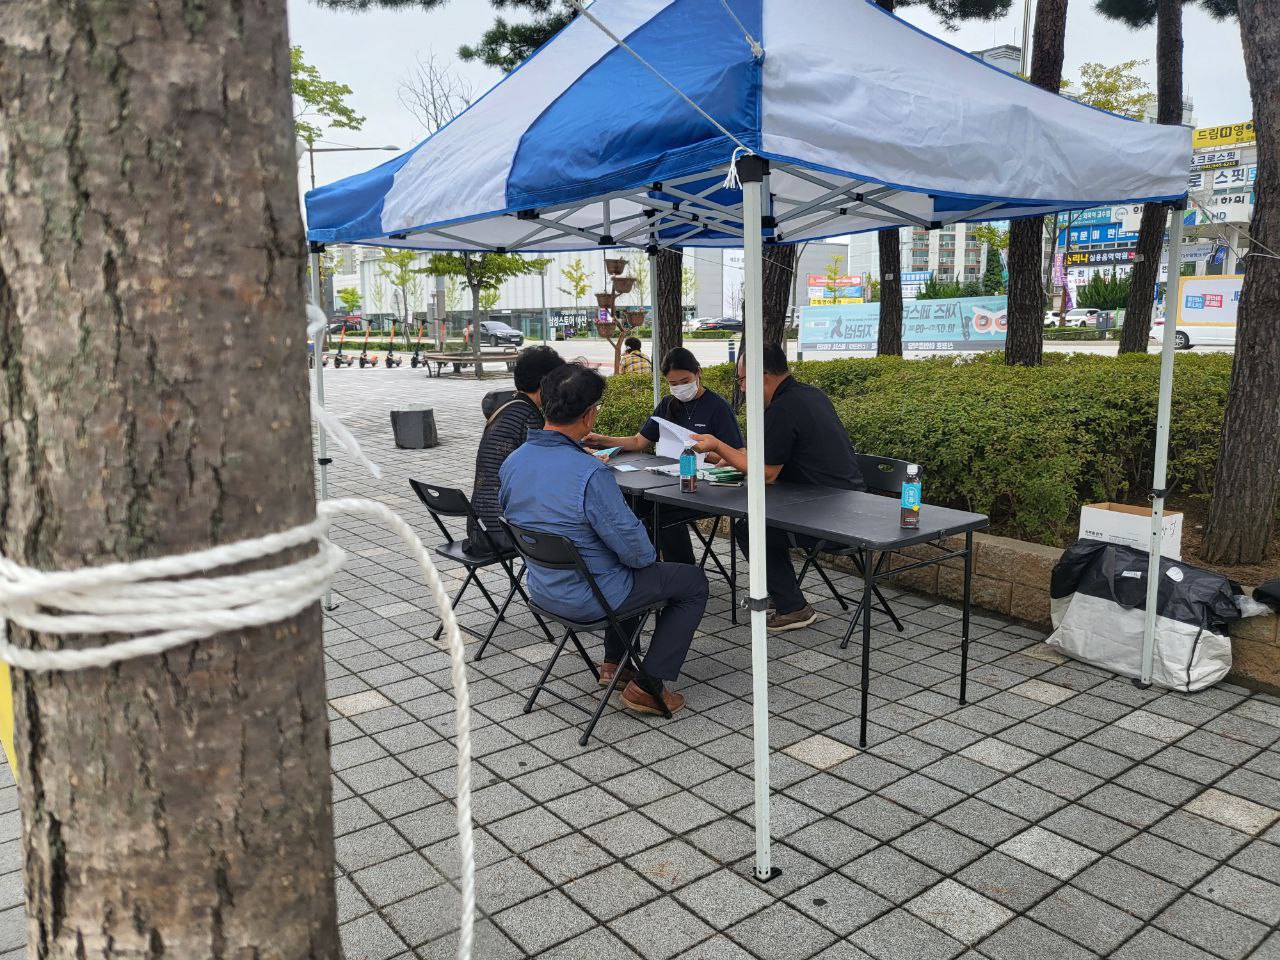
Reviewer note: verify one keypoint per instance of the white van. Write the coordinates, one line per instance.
(1206, 311)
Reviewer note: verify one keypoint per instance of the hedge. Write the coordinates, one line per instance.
(1026, 446)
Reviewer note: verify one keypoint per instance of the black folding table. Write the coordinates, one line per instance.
(864, 521)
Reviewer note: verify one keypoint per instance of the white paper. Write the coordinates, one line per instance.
(673, 438)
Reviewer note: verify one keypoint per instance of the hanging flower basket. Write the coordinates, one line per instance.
(632, 318)
(615, 267)
(606, 300)
(623, 284)
(606, 329)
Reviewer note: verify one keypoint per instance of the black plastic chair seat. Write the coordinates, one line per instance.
(453, 550)
(594, 626)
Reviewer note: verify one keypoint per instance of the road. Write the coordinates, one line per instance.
(717, 351)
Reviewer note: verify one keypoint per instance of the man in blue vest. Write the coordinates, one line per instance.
(552, 485)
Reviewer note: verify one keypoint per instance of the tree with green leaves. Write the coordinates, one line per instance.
(639, 268)
(688, 285)
(318, 104)
(578, 280)
(1117, 88)
(489, 298)
(834, 271)
(481, 272)
(1167, 16)
(350, 299)
(1246, 482)
(400, 269)
(993, 239)
(1104, 291)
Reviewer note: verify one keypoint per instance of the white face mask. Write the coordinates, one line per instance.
(684, 392)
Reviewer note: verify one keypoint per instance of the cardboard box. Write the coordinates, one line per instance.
(1131, 526)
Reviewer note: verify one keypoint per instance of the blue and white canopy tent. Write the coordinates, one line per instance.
(735, 123)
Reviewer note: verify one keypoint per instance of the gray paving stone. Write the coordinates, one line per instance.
(506, 883)
(891, 873)
(1197, 833)
(1151, 943)
(543, 921)
(921, 794)
(723, 898)
(716, 947)
(1022, 799)
(1127, 806)
(831, 842)
(1088, 827)
(565, 860)
(611, 892)
(597, 943)
(981, 821)
(1243, 893)
(366, 847)
(1048, 852)
(671, 865)
(940, 847)
(396, 879)
(1211, 927)
(898, 934)
(660, 929)
(1261, 859)
(781, 932)
(839, 904)
(959, 911)
(1060, 779)
(1023, 939)
(1085, 919)
(371, 937)
(1165, 859)
(528, 829)
(880, 818)
(1132, 890)
(490, 943)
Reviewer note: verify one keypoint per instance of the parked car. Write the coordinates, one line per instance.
(697, 323)
(1079, 317)
(1188, 335)
(724, 323)
(498, 334)
(349, 324)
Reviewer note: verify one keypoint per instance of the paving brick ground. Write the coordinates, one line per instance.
(1063, 813)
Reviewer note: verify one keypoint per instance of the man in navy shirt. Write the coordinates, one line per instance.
(552, 485)
(804, 442)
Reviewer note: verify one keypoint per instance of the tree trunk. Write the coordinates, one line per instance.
(1247, 480)
(889, 339)
(1025, 343)
(779, 267)
(176, 805)
(1151, 231)
(475, 331)
(669, 311)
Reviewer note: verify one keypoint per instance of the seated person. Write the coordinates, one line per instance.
(506, 429)
(554, 486)
(694, 407)
(633, 361)
(804, 442)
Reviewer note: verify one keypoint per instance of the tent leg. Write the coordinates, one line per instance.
(322, 439)
(1172, 301)
(656, 344)
(751, 171)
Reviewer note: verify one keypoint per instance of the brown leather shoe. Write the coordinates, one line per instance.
(781, 622)
(642, 702)
(607, 670)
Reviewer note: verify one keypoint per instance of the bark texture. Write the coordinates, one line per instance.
(1151, 231)
(889, 338)
(1025, 343)
(1247, 480)
(154, 399)
(669, 310)
(779, 267)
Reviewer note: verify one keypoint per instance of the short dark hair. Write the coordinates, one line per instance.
(631, 343)
(569, 391)
(775, 358)
(678, 358)
(533, 364)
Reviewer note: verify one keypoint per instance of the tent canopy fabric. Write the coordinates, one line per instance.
(867, 123)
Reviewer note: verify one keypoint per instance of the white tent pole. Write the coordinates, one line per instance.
(1159, 471)
(322, 439)
(751, 173)
(656, 345)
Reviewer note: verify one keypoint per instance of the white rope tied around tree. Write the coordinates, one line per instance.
(143, 598)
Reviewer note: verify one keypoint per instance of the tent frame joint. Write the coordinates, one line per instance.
(773, 874)
(756, 603)
(1140, 684)
(317, 246)
(606, 240)
(752, 168)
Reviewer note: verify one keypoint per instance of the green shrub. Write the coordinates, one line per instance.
(712, 335)
(1026, 446)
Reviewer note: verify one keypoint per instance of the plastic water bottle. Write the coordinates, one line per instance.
(911, 490)
(688, 471)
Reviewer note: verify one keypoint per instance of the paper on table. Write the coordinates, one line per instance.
(672, 439)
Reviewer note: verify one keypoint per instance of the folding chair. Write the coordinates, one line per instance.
(881, 475)
(451, 502)
(554, 552)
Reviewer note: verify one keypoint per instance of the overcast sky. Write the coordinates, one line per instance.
(372, 52)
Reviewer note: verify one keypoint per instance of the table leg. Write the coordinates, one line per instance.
(733, 569)
(657, 531)
(868, 585)
(964, 616)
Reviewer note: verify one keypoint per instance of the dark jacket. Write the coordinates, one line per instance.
(506, 430)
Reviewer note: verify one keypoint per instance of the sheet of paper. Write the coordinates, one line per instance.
(625, 467)
(672, 439)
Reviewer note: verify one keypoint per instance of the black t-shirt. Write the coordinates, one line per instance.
(803, 433)
(709, 413)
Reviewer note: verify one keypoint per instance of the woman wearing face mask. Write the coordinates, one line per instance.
(697, 409)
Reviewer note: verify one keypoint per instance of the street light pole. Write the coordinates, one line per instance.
(312, 150)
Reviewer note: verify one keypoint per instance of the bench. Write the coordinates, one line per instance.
(460, 360)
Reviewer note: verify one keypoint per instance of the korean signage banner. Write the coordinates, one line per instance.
(1078, 217)
(1094, 258)
(1215, 159)
(913, 282)
(1206, 138)
(824, 290)
(1208, 301)
(961, 324)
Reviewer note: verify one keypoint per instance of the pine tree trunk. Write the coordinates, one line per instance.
(889, 339)
(779, 267)
(1025, 343)
(1136, 331)
(669, 311)
(153, 400)
(1247, 480)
